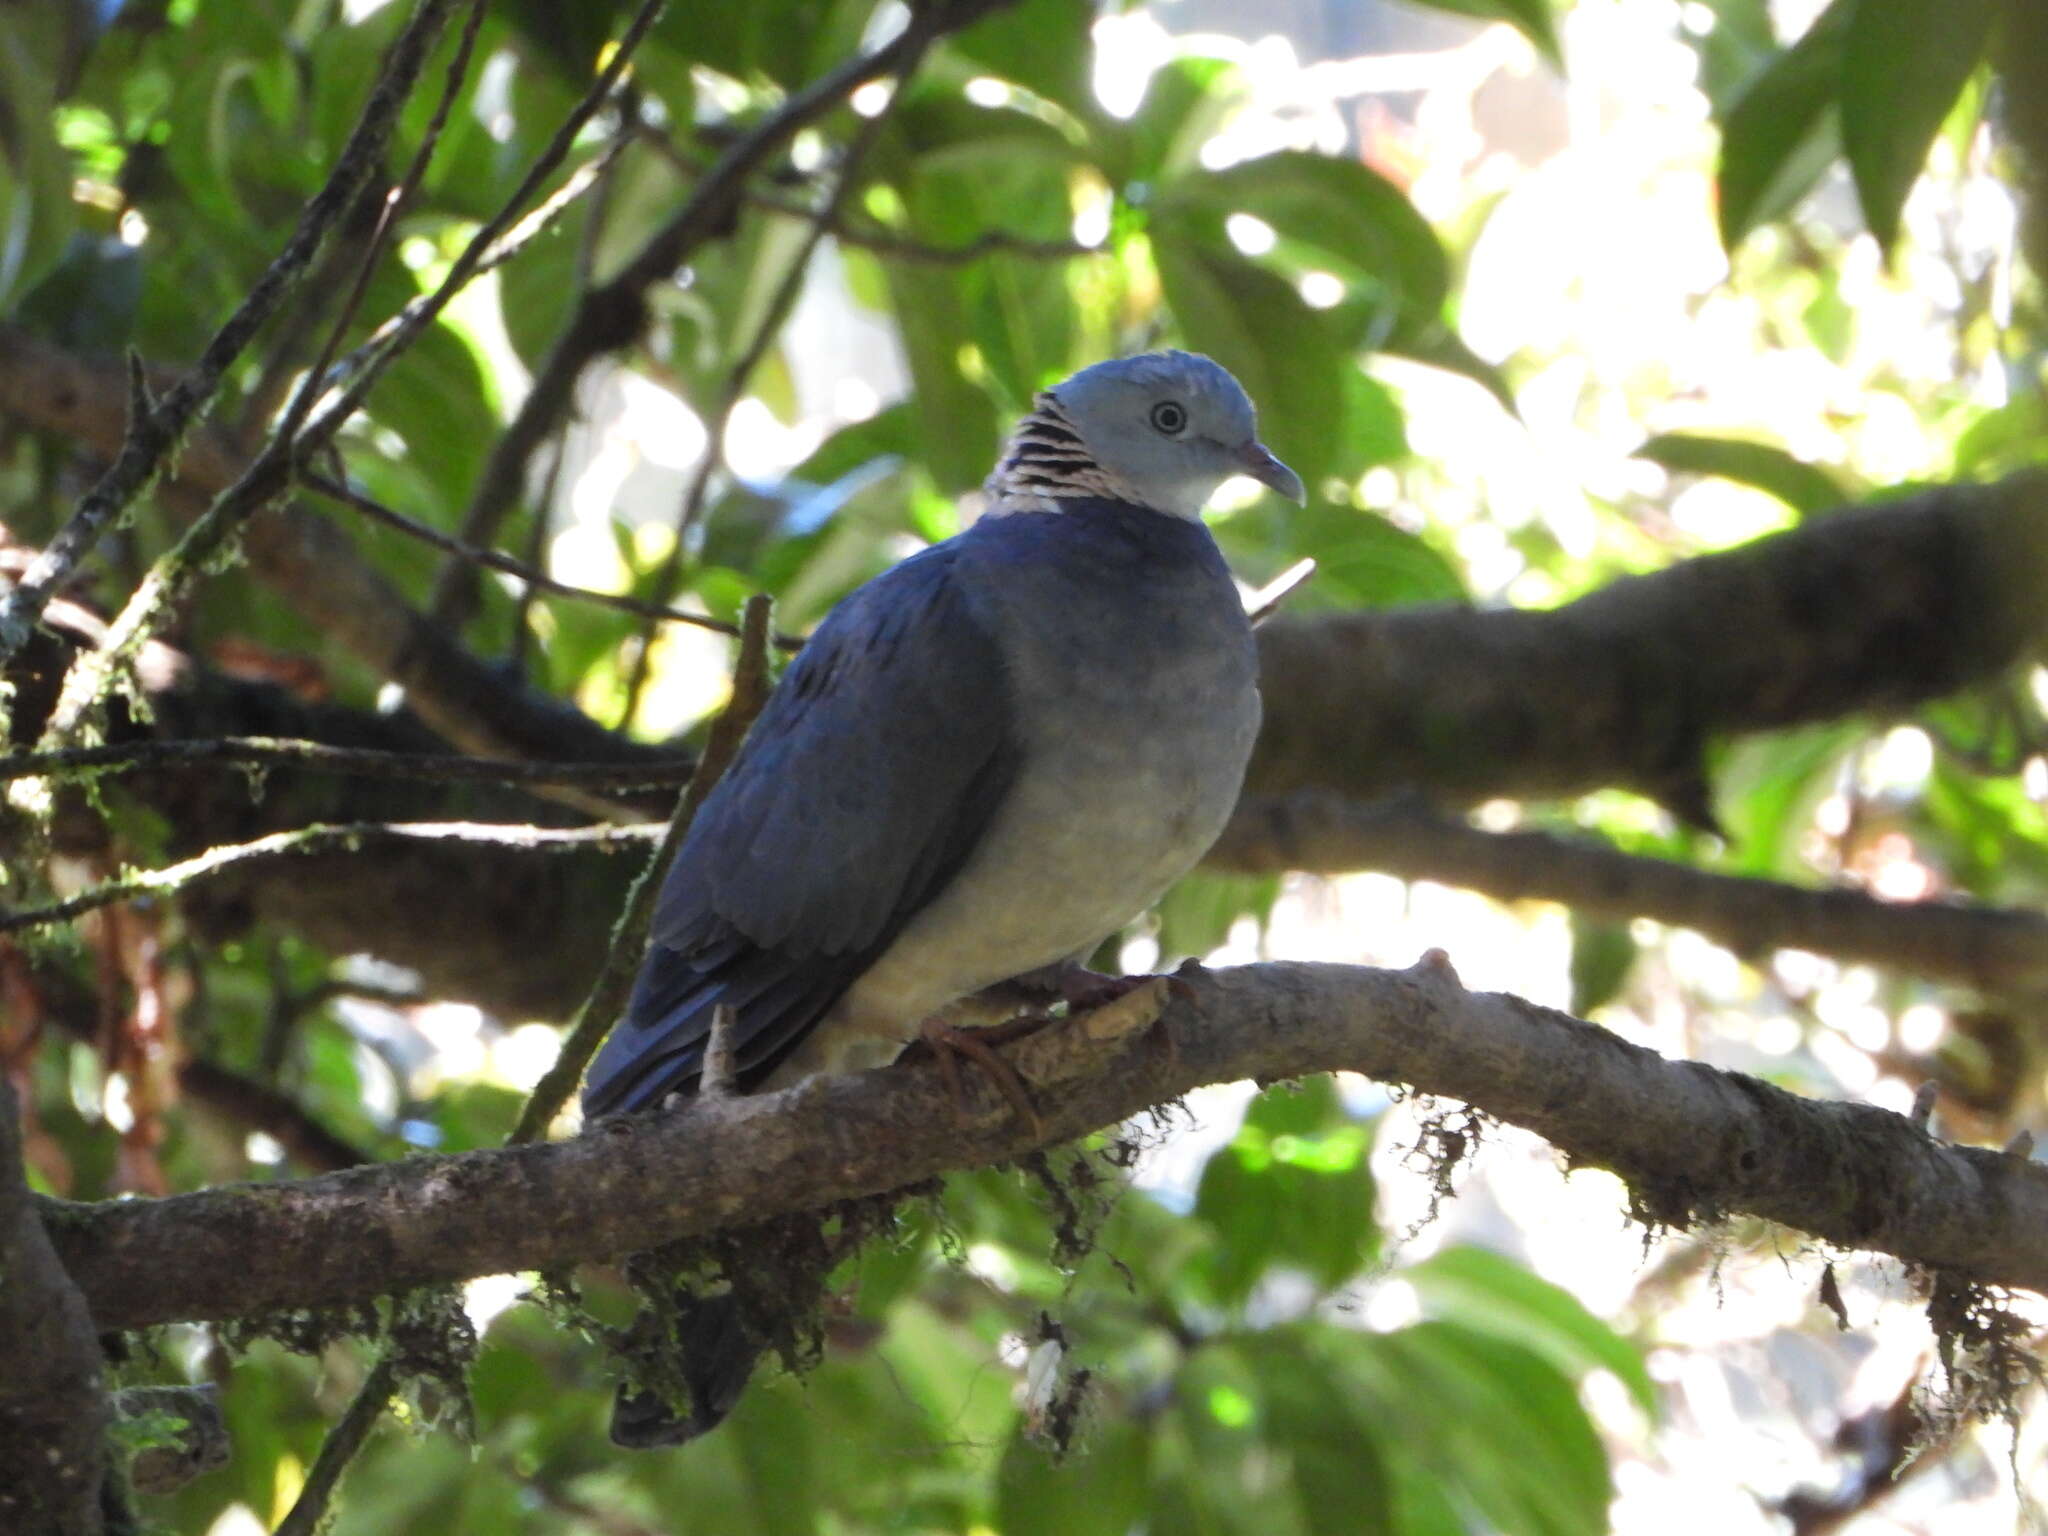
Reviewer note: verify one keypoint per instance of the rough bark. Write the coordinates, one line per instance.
(53, 1411)
(2002, 950)
(1867, 610)
(1693, 1142)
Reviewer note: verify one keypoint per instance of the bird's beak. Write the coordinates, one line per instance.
(1256, 459)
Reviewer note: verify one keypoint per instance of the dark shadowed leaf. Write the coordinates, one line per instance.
(1602, 956)
(1782, 130)
(1804, 487)
(1904, 62)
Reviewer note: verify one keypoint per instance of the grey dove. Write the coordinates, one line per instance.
(984, 761)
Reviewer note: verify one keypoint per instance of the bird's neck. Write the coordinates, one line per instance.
(1045, 463)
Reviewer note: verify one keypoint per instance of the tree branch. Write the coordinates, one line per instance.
(53, 1407)
(309, 842)
(1996, 949)
(1693, 1142)
(355, 762)
(1867, 610)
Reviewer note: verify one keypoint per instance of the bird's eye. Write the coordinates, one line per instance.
(1169, 416)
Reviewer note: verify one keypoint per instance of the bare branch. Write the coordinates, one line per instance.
(534, 577)
(1693, 1143)
(1870, 609)
(356, 762)
(1995, 949)
(257, 1106)
(53, 1406)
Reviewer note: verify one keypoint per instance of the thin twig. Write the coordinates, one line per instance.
(339, 1449)
(418, 315)
(874, 237)
(387, 216)
(508, 245)
(607, 995)
(690, 511)
(151, 435)
(1265, 602)
(356, 762)
(348, 495)
(321, 837)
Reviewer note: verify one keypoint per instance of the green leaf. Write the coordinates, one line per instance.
(1804, 487)
(1199, 910)
(1602, 955)
(1044, 47)
(1904, 63)
(36, 211)
(1483, 1290)
(1101, 1487)
(1532, 18)
(1341, 1481)
(1296, 1197)
(1781, 131)
(1342, 208)
(1499, 1428)
(1186, 101)
(1768, 786)
(2010, 437)
(1255, 324)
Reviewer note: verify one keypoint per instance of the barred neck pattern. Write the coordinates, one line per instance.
(1044, 462)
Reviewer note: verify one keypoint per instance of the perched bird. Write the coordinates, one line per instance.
(983, 762)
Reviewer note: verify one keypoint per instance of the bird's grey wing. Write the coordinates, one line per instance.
(865, 784)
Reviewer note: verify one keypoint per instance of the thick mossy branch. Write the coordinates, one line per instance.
(1693, 1142)
(1868, 610)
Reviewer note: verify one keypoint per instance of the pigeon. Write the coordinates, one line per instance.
(983, 762)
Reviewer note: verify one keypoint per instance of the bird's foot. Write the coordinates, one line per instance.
(1084, 990)
(949, 1044)
(1110, 1006)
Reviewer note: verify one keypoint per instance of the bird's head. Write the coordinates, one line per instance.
(1172, 426)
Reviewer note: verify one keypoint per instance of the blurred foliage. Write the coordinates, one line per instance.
(152, 156)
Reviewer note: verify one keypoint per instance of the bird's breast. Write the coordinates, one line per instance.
(1135, 703)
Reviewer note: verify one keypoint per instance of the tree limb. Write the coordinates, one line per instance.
(1694, 1143)
(53, 1407)
(1868, 610)
(1995, 949)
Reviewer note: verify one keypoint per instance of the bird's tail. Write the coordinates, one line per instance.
(713, 1352)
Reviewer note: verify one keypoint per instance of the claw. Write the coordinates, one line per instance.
(949, 1044)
